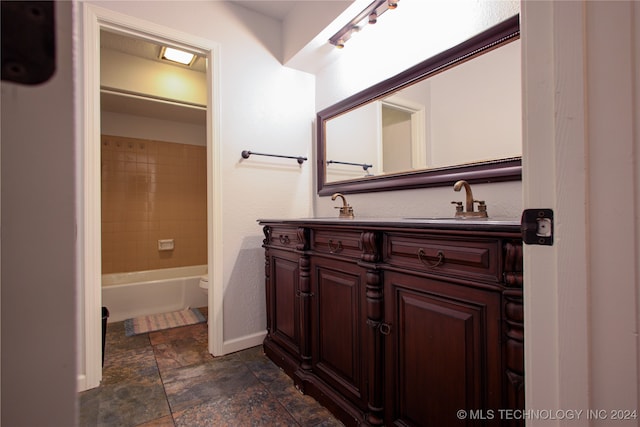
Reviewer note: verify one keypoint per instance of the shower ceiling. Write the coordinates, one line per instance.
(141, 48)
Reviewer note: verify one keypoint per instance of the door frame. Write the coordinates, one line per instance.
(420, 145)
(93, 19)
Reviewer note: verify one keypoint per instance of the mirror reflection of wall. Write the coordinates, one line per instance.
(476, 109)
(356, 140)
(396, 139)
(466, 114)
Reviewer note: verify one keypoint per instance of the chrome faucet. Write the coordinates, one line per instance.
(469, 212)
(346, 211)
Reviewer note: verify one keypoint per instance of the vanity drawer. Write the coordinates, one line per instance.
(282, 236)
(473, 258)
(338, 242)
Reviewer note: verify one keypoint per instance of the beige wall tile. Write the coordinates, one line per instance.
(152, 190)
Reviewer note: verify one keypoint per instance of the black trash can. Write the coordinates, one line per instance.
(105, 316)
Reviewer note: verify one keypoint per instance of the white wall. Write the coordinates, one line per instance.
(133, 126)
(264, 107)
(420, 29)
(39, 258)
(356, 141)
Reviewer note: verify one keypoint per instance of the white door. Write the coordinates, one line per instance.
(580, 158)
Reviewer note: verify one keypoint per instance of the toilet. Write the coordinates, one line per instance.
(204, 284)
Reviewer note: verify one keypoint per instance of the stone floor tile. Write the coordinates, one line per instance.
(123, 404)
(196, 333)
(160, 422)
(138, 363)
(193, 385)
(254, 406)
(169, 379)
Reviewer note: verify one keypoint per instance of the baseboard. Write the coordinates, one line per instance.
(243, 343)
(82, 383)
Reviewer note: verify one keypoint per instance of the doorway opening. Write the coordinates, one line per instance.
(96, 21)
(153, 179)
(404, 142)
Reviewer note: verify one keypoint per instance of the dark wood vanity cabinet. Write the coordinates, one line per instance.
(338, 342)
(282, 275)
(399, 323)
(442, 351)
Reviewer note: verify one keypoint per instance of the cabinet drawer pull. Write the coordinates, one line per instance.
(334, 249)
(301, 294)
(284, 239)
(422, 258)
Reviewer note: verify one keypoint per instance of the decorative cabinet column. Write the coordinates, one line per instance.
(513, 315)
(376, 328)
(305, 296)
(398, 323)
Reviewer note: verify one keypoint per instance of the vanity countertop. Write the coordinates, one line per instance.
(487, 224)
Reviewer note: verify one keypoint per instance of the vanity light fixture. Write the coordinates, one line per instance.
(176, 55)
(368, 16)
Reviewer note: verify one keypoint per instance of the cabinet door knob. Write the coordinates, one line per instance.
(385, 328)
(437, 263)
(334, 249)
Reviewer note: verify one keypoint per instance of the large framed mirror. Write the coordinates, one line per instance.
(456, 115)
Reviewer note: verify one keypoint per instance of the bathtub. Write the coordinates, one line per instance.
(140, 293)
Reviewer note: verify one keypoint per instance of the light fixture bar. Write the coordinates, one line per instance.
(370, 14)
(176, 55)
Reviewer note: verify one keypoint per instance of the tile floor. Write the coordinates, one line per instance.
(168, 379)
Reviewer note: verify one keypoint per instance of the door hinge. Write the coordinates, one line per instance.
(537, 226)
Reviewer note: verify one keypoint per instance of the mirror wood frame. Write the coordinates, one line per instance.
(482, 172)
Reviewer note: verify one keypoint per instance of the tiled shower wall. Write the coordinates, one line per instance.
(152, 190)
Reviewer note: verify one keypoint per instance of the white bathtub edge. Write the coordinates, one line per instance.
(128, 278)
(153, 295)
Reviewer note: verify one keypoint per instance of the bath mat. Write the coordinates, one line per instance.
(159, 322)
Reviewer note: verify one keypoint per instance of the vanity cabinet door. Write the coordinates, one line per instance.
(442, 352)
(284, 302)
(338, 324)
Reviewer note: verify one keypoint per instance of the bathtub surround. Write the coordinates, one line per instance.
(152, 191)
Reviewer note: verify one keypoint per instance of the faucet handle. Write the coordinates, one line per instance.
(458, 206)
(482, 207)
(345, 211)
